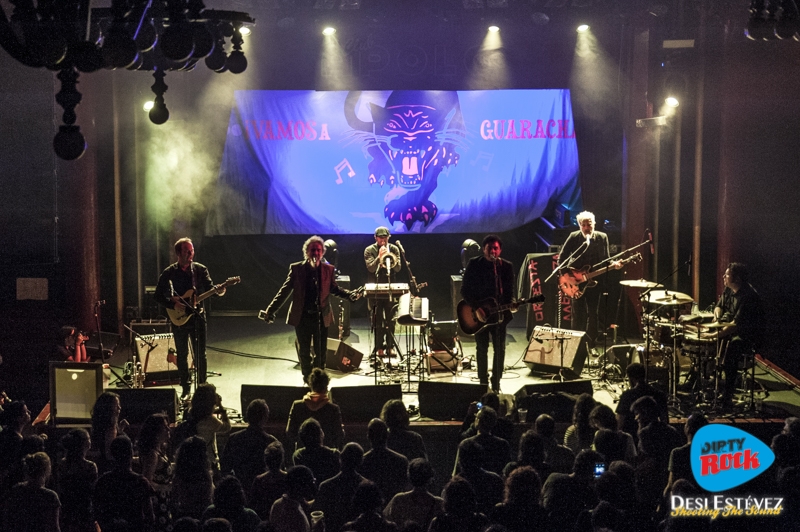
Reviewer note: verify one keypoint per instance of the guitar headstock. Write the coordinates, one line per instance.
(230, 281)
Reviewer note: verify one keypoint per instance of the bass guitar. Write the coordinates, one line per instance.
(571, 280)
(181, 316)
(473, 319)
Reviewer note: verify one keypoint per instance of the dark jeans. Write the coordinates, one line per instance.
(497, 335)
(383, 314)
(584, 313)
(183, 335)
(311, 329)
(733, 354)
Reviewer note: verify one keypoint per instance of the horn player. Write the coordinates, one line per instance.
(382, 261)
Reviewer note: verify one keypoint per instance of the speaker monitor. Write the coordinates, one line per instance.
(278, 398)
(362, 403)
(442, 335)
(443, 401)
(554, 398)
(138, 403)
(74, 387)
(342, 357)
(545, 347)
(156, 365)
(455, 293)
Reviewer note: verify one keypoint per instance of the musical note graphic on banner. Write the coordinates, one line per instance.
(341, 166)
(483, 155)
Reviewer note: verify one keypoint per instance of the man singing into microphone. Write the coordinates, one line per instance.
(489, 276)
(383, 261)
(311, 281)
(173, 284)
(593, 250)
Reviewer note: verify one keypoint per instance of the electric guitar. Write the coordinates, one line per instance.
(473, 319)
(571, 280)
(181, 316)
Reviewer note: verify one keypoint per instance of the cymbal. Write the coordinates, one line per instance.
(715, 325)
(667, 297)
(688, 318)
(640, 283)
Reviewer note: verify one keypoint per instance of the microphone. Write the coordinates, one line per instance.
(314, 261)
(399, 245)
(588, 240)
(650, 238)
(101, 302)
(387, 262)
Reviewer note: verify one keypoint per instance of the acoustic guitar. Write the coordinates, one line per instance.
(181, 316)
(473, 319)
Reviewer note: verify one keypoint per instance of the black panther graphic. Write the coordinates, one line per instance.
(408, 143)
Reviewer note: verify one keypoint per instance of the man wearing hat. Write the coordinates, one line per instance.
(383, 261)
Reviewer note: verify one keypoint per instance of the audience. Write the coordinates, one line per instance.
(268, 487)
(243, 455)
(290, 513)
(206, 406)
(404, 441)
(520, 510)
(638, 387)
(367, 503)
(498, 450)
(30, 506)
(322, 461)
(317, 405)
(106, 425)
(229, 505)
(154, 465)
(620, 443)
(504, 428)
(335, 496)
(487, 485)
(192, 484)
(460, 509)
(418, 505)
(564, 497)
(17, 416)
(679, 464)
(531, 454)
(580, 435)
(75, 478)
(559, 457)
(383, 466)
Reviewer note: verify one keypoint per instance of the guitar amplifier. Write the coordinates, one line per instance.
(544, 350)
(157, 368)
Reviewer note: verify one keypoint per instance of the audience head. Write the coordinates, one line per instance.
(645, 410)
(786, 449)
(635, 373)
(76, 443)
(31, 444)
(624, 471)
(122, 452)
(186, 524)
(583, 407)
(274, 455)
(377, 433)
(191, 460)
(154, 433)
(420, 472)
(605, 517)
(300, 483)
(16, 415)
(105, 416)
(486, 419)
(217, 524)
(609, 444)
(351, 457)
(257, 412)
(694, 422)
(531, 448)
(685, 488)
(470, 455)
(493, 400)
(229, 495)
(459, 497)
(792, 426)
(318, 381)
(545, 426)
(523, 486)
(584, 464)
(310, 433)
(395, 415)
(367, 498)
(204, 401)
(602, 417)
(37, 468)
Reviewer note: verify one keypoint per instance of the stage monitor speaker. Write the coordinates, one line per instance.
(455, 293)
(544, 351)
(443, 401)
(74, 387)
(155, 362)
(556, 399)
(442, 335)
(362, 403)
(138, 403)
(342, 357)
(278, 398)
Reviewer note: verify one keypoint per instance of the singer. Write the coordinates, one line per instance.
(310, 282)
(383, 261)
(595, 250)
(178, 279)
(489, 276)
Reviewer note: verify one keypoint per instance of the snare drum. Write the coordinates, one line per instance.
(695, 346)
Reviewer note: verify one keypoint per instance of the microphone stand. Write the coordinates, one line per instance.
(100, 346)
(316, 271)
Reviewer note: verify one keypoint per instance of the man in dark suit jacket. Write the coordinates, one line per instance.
(587, 247)
(312, 282)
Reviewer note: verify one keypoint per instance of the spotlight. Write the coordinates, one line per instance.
(148, 105)
(329, 31)
(469, 250)
(583, 28)
(245, 31)
(494, 29)
(671, 101)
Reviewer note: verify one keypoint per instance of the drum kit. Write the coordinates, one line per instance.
(675, 340)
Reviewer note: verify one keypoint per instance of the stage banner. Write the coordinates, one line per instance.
(556, 310)
(300, 162)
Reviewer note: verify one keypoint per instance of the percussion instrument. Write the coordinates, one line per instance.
(667, 297)
(640, 283)
(697, 346)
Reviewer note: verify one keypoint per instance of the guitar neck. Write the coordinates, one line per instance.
(206, 295)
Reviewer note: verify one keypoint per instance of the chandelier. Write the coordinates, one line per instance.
(73, 38)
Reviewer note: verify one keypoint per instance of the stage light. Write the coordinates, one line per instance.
(583, 28)
(329, 31)
(671, 101)
(469, 250)
(494, 29)
(245, 31)
(136, 35)
(148, 105)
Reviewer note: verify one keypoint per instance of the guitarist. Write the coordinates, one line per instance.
(175, 281)
(593, 250)
(489, 276)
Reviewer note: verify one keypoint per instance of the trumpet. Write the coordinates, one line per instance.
(389, 260)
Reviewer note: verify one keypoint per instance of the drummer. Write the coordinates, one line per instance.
(739, 309)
